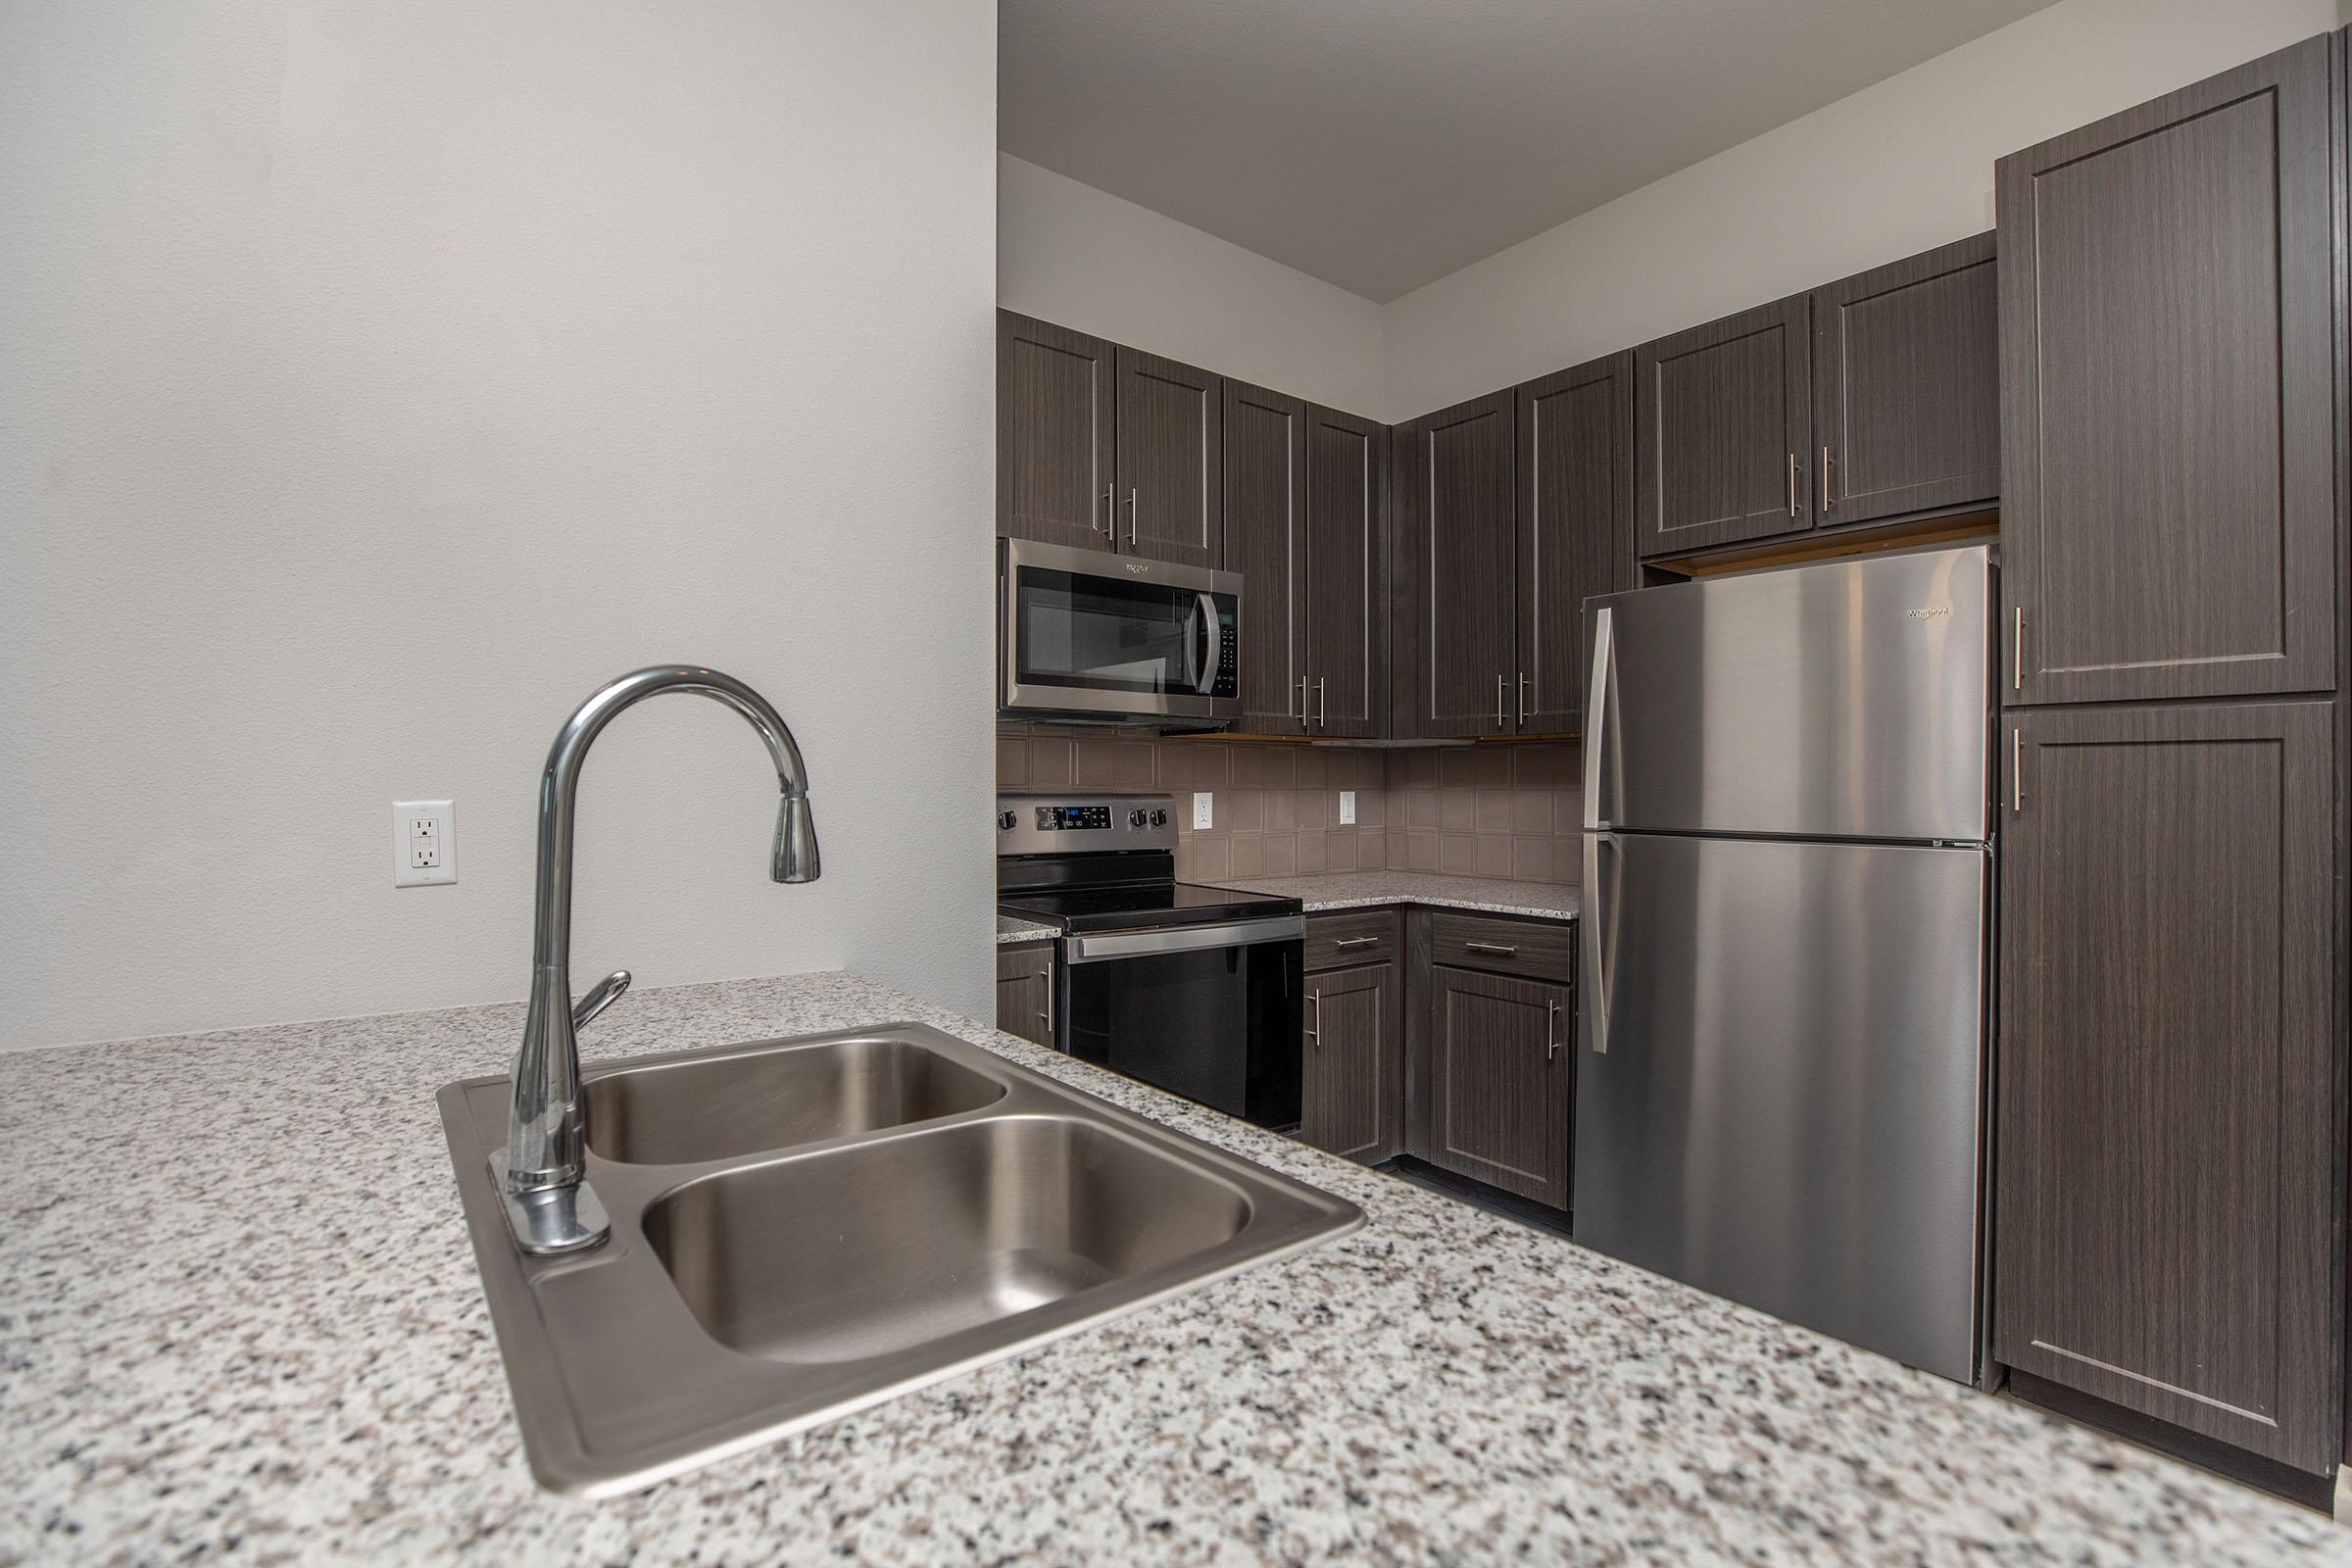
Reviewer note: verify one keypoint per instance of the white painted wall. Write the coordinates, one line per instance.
(378, 379)
(1071, 254)
(1897, 167)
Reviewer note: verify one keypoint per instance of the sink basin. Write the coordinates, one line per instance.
(686, 1110)
(804, 1228)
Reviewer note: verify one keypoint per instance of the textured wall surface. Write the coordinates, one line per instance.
(376, 380)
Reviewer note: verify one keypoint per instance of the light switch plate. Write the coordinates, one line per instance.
(424, 842)
(1347, 806)
(1204, 809)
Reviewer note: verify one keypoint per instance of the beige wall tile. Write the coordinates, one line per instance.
(1282, 854)
(1340, 851)
(1282, 811)
(1458, 810)
(1213, 856)
(1491, 855)
(1012, 763)
(1241, 811)
(1050, 763)
(1249, 851)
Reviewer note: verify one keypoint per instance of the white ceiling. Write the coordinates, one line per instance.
(1380, 144)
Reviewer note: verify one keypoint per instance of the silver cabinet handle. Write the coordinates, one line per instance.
(2017, 653)
(1498, 685)
(1492, 948)
(1792, 485)
(1356, 941)
(1523, 698)
(1133, 526)
(1825, 479)
(1322, 713)
(1110, 514)
(1047, 975)
(1552, 1030)
(2017, 772)
(1314, 1030)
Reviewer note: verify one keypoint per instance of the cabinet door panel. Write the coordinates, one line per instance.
(1576, 529)
(2167, 328)
(1907, 386)
(1502, 1081)
(1354, 1072)
(1344, 578)
(1265, 481)
(1025, 991)
(1054, 433)
(1457, 476)
(2166, 1177)
(1722, 430)
(1170, 493)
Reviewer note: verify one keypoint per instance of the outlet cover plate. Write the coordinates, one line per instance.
(424, 842)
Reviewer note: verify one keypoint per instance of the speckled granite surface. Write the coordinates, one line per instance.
(240, 1320)
(1352, 889)
(1010, 929)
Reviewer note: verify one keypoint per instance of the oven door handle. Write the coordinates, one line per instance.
(1212, 645)
(1111, 945)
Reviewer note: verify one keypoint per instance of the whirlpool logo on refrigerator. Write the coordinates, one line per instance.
(1930, 613)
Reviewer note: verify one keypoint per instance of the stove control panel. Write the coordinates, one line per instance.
(1032, 823)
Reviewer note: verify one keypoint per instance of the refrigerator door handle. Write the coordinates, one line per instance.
(1592, 979)
(1596, 712)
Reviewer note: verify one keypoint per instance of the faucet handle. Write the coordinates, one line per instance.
(601, 996)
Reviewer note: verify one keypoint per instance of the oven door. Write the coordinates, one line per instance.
(1209, 1012)
(1110, 637)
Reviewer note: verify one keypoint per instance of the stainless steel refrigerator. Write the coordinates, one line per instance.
(1781, 1073)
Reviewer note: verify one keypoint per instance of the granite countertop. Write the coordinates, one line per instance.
(239, 1318)
(1356, 890)
(1010, 929)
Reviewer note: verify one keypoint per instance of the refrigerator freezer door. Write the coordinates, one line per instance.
(1788, 1109)
(1845, 700)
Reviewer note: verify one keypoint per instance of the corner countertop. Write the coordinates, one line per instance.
(1010, 929)
(240, 1316)
(1358, 890)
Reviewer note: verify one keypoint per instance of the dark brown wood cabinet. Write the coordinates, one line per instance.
(1266, 439)
(1453, 655)
(1025, 990)
(1501, 1077)
(1906, 387)
(1171, 492)
(2168, 1076)
(1354, 1080)
(1344, 583)
(1722, 430)
(1575, 530)
(1055, 452)
(2168, 330)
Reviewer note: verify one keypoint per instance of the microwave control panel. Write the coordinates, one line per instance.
(1229, 672)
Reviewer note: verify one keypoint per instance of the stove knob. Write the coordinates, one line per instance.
(1004, 821)
(1138, 817)
(1159, 819)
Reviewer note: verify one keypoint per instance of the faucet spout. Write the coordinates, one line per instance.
(542, 1172)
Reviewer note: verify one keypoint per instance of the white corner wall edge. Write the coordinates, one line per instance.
(378, 381)
(1895, 168)
(1084, 259)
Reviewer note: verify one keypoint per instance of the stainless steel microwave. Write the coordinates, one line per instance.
(1089, 636)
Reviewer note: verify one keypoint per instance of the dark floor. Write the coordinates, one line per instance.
(1477, 1194)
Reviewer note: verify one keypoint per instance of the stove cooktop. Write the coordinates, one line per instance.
(1142, 905)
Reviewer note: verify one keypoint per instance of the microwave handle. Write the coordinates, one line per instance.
(1213, 654)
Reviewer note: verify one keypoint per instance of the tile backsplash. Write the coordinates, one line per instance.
(1493, 809)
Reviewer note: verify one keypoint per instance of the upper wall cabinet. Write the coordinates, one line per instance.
(1455, 645)
(1107, 447)
(1170, 490)
(1344, 583)
(1722, 430)
(1265, 541)
(2166, 359)
(1906, 387)
(1576, 529)
(1055, 461)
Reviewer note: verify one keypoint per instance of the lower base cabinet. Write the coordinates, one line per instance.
(1501, 1080)
(1354, 1098)
(1025, 991)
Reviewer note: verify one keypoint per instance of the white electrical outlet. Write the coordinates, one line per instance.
(424, 842)
(1347, 806)
(1204, 809)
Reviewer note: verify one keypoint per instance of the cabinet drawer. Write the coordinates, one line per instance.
(1540, 949)
(1361, 936)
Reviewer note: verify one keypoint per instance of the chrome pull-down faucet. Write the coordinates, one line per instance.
(542, 1174)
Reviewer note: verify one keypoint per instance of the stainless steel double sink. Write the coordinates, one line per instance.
(803, 1228)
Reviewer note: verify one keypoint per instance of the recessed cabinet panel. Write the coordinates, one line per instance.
(1055, 466)
(1502, 1081)
(1353, 1074)
(1906, 386)
(2166, 1169)
(1456, 474)
(1576, 529)
(2168, 342)
(1722, 430)
(1171, 492)
(1266, 440)
(1344, 578)
(1025, 991)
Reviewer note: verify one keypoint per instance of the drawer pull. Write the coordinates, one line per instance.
(1493, 949)
(1356, 941)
